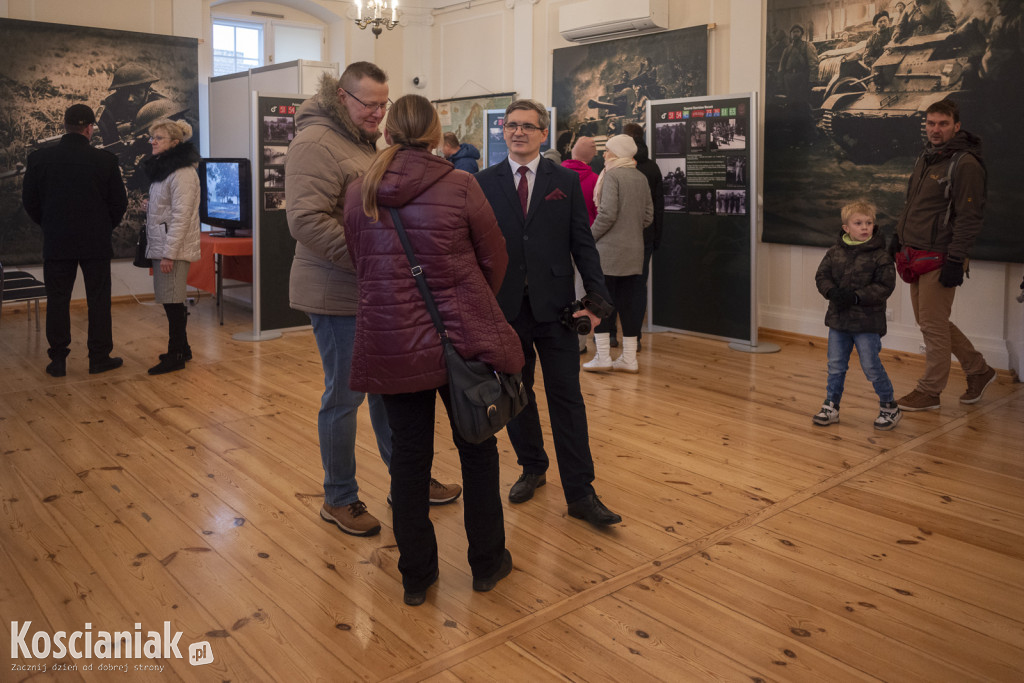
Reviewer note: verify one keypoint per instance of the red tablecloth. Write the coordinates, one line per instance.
(237, 261)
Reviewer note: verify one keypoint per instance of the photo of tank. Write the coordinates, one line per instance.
(599, 88)
(851, 122)
(129, 80)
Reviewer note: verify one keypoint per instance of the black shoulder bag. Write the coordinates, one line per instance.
(483, 400)
(140, 251)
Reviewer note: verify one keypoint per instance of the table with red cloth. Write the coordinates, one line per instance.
(212, 267)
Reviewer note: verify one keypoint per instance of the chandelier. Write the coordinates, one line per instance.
(375, 19)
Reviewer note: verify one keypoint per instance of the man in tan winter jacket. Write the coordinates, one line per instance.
(335, 144)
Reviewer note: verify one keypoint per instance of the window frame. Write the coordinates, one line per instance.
(266, 33)
(236, 23)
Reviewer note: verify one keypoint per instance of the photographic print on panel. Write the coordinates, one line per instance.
(599, 88)
(673, 179)
(844, 114)
(129, 80)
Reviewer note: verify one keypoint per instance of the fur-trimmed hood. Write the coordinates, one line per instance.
(325, 109)
(158, 167)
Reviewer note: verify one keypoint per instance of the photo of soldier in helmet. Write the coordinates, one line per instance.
(131, 89)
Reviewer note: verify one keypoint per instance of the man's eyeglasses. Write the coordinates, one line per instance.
(527, 127)
(372, 107)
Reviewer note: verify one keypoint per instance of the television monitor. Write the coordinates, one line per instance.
(226, 194)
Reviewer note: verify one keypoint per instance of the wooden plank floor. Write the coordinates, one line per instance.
(755, 545)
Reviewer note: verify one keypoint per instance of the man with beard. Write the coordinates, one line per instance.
(879, 39)
(934, 235)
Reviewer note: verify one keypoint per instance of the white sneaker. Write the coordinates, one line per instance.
(828, 414)
(888, 415)
(622, 365)
(602, 360)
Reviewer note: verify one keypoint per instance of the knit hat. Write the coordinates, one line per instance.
(622, 146)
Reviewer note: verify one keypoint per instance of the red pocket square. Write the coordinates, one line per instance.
(555, 194)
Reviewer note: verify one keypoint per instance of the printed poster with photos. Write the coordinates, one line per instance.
(275, 247)
(702, 272)
(701, 149)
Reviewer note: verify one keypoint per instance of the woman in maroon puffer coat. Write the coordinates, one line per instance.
(397, 351)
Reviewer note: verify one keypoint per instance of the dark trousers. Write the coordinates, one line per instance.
(624, 292)
(411, 417)
(60, 275)
(639, 298)
(558, 349)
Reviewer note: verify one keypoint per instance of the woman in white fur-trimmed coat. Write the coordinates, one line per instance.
(172, 230)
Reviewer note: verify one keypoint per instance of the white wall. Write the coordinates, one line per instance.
(519, 36)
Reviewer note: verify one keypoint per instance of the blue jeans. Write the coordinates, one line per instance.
(868, 344)
(336, 423)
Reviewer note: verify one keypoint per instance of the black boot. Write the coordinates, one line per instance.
(187, 354)
(178, 350)
(169, 362)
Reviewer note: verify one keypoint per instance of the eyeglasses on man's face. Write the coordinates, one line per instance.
(371, 107)
(526, 127)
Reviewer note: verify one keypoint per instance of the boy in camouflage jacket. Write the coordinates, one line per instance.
(857, 276)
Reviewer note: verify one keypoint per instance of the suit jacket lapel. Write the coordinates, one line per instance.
(541, 187)
(508, 187)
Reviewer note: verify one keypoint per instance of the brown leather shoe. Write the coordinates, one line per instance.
(353, 518)
(918, 400)
(976, 385)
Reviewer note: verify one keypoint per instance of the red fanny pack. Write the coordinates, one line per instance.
(913, 263)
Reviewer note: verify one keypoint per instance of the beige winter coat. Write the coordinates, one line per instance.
(326, 155)
(624, 211)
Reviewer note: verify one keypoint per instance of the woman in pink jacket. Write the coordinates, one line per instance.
(397, 351)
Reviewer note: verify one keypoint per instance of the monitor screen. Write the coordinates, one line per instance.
(226, 199)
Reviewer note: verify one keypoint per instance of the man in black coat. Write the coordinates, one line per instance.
(539, 206)
(75, 192)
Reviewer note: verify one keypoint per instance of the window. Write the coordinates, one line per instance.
(242, 45)
(237, 46)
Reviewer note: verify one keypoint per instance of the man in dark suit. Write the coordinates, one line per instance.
(540, 208)
(75, 192)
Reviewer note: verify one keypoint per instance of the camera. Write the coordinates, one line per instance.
(581, 325)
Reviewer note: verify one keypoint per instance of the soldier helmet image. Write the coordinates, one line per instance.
(155, 110)
(131, 74)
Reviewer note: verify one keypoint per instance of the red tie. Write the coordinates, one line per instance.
(524, 189)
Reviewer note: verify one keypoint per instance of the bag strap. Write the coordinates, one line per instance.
(417, 274)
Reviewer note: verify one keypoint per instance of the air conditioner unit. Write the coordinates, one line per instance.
(592, 20)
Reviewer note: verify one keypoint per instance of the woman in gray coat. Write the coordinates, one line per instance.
(624, 207)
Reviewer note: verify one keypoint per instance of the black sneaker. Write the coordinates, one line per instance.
(57, 368)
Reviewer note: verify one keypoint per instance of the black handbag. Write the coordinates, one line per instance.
(140, 251)
(483, 400)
